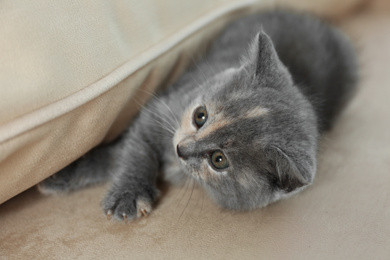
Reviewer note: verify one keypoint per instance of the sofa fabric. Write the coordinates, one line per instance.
(74, 73)
(345, 214)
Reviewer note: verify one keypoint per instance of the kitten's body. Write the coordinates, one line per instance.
(263, 118)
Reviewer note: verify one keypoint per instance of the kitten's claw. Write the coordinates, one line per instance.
(124, 217)
(144, 212)
(144, 208)
(109, 214)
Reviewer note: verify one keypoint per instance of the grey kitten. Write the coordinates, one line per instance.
(244, 123)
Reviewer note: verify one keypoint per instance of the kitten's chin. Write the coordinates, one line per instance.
(281, 195)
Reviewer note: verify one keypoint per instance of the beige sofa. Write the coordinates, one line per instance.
(71, 74)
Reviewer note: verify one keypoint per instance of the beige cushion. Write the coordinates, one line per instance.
(345, 214)
(70, 71)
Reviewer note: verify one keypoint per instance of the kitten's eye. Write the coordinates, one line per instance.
(200, 116)
(218, 160)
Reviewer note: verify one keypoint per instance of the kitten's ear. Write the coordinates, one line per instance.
(262, 57)
(287, 174)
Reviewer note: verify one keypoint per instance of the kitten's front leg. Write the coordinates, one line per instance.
(92, 168)
(133, 191)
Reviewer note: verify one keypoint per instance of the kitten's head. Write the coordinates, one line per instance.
(251, 139)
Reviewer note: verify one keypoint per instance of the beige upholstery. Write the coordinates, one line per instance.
(73, 73)
(70, 72)
(345, 214)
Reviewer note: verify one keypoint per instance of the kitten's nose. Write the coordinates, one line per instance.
(178, 151)
(186, 149)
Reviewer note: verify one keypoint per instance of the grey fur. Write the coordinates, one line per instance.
(271, 83)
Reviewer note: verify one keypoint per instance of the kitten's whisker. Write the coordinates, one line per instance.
(212, 68)
(201, 207)
(201, 190)
(159, 117)
(174, 118)
(186, 185)
(189, 180)
(199, 68)
(159, 99)
(181, 183)
(198, 84)
(189, 199)
(163, 126)
(197, 202)
(201, 72)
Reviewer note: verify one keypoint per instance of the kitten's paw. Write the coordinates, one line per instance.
(130, 204)
(59, 182)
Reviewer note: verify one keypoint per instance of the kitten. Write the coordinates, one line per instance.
(244, 123)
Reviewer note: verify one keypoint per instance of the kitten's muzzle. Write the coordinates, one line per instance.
(187, 149)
